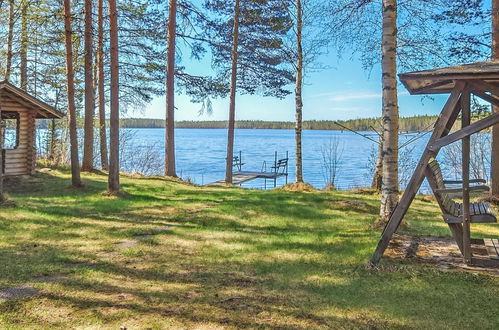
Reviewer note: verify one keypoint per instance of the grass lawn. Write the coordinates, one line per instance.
(173, 255)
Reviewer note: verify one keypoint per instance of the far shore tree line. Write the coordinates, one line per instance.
(407, 124)
(97, 59)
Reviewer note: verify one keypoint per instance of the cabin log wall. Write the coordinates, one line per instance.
(21, 160)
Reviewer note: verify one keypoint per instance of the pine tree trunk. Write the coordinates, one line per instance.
(75, 164)
(298, 92)
(378, 170)
(88, 139)
(170, 93)
(24, 45)
(389, 191)
(101, 88)
(114, 123)
(10, 37)
(233, 87)
(494, 175)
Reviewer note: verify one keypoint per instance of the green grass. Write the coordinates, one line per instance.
(221, 258)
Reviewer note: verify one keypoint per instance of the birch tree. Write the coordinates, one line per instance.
(494, 171)
(389, 186)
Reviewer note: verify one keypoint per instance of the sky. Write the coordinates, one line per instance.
(343, 91)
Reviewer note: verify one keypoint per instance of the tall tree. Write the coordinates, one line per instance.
(298, 91)
(114, 123)
(247, 39)
(75, 164)
(232, 102)
(101, 86)
(170, 91)
(24, 44)
(10, 38)
(494, 171)
(389, 188)
(88, 138)
(2, 128)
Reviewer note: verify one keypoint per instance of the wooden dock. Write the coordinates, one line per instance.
(244, 176)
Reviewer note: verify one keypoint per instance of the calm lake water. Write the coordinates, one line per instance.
(201, 154)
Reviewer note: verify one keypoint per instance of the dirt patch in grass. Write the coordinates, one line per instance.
(127, 244)
(17, 292)
(351, 205)
(298, 187)
(442, 252)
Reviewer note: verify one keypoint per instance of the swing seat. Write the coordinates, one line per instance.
(480, 212)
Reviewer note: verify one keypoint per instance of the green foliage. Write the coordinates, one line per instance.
(262, 66)
(412, 124)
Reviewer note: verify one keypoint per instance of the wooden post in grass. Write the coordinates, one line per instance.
(465, 120)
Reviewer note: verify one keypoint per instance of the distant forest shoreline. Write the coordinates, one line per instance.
(411, 124)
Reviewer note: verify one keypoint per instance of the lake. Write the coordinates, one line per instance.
(201, 154)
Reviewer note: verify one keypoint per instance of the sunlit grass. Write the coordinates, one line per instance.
(173, 255)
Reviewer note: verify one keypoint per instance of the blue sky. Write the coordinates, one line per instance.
(345, 91)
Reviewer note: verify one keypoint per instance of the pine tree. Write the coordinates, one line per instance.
(250, 49)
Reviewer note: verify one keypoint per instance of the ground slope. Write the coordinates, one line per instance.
(172, 255)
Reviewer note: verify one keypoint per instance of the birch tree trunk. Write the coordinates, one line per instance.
(233, 88)
(10, 37)
(378, 169)
(114, 123)
(88, 139)
(101, 87)
(170, 93)
(75, 164)
(298, 92)
(494, 175)
(389, 190)
(24, 45)
(2, 124)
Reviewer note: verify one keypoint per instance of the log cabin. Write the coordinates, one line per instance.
(20, 110)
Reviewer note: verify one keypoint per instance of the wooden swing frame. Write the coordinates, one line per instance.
(479, 79)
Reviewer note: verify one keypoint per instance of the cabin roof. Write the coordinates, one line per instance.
(43, 110)
(442, 80)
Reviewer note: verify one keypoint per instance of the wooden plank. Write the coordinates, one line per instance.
(492, 247)
(485, 262)
(442, 127)
(465, 121)
(466, 131)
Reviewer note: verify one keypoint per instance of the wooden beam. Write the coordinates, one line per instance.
(465, 120)
(466, 131)
(483, 86)
(489, 98)
(441, 127)
(429, 86)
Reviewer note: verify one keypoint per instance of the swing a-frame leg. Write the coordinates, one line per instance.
(458, 100)
(442, 127)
